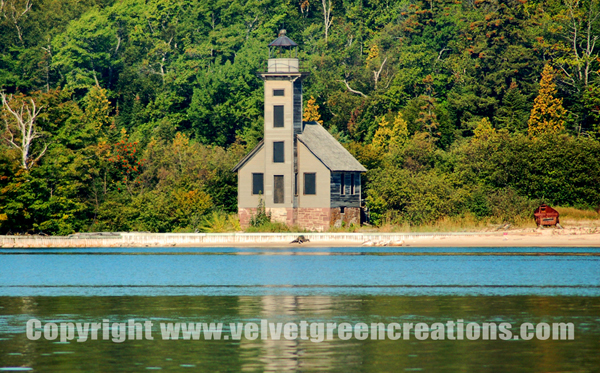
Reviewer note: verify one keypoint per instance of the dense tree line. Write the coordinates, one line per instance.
(128, 115)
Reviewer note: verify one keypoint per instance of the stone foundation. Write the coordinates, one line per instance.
(351, 215)
(315, 219)
(282, 215)
(245, 214)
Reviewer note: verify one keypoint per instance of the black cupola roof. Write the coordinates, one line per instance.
(283, 41)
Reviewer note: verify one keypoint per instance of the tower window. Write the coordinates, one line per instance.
(310, 183)
(278, 189)
(343, 183)
(258, 183)
(278, 92)
(278, 156)
(278, 116)
(352, 180)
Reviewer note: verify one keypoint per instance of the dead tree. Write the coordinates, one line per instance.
(327, 18)
(14, 11)
(22, 135)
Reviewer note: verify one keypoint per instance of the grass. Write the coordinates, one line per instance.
(274, 227)
(466, 223)
(573, 213)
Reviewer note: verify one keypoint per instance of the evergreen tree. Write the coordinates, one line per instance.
(390, 135)
(548, 114)
(484, 130)
(427, 117)
(513, 113)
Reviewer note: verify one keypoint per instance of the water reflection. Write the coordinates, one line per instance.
(329, 285)
(302, 355)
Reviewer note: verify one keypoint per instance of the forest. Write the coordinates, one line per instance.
(128, 115)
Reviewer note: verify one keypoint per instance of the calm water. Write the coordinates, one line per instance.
(203, 285)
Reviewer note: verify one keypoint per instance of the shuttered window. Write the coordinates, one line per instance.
(258, 184)
(278, 116)
(310, 183)
(278, 156)
(278, 189)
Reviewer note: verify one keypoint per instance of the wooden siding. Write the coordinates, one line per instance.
(346, 199)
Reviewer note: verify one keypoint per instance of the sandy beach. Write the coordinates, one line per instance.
(574, 237)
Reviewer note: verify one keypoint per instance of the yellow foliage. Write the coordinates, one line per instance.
(311, 112)
(391, 135)
(192, 202)
(484, 130)
(373, 53)
(97, 107)
(180, 140)
(548, 115)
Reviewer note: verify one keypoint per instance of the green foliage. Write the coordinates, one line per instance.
(433, 97)
(219, 222)
(261, 217)
(495, 175)
(271, 227)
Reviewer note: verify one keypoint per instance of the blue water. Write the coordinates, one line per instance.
(292, 284)
(299, 249)
(297, 271)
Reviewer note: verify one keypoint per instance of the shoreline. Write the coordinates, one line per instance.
(541, 238)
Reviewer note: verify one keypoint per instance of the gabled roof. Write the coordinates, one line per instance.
(248, 156)
(327, 149)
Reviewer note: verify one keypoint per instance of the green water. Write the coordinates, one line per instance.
(344, 286)
(578, 355)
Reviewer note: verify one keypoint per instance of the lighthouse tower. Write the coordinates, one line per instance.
(282, 121)
(299, 171)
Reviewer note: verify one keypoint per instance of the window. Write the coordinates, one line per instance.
(352, 190)
(278, 92)
(278, 152)
(258, 184)
(343, 184)
(278, 116)
(278, 189)
(310, 184)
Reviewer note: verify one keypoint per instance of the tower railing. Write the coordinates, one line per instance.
(283, 65)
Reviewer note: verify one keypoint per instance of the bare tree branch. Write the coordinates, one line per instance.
(25, 118)
(377, 73)
(327, 18)
(353, 90)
